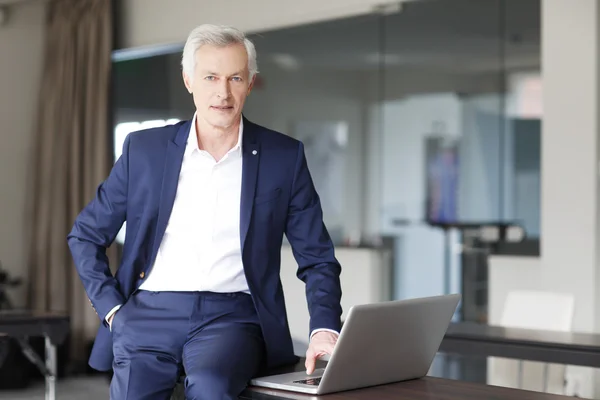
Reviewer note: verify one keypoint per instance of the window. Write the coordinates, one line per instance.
(125, 128)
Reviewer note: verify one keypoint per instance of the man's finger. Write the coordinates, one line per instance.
(310, 365)
(310, 362)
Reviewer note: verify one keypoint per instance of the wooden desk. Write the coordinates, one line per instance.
(481, 340)
(427, 388)
(53, 327)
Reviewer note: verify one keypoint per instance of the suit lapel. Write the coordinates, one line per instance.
(250, 157)
(170, 179)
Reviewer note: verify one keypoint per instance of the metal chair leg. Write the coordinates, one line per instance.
(546, 368)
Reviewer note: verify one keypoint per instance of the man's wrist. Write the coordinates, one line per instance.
(315, 331)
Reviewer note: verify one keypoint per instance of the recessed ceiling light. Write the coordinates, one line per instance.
(286, 61)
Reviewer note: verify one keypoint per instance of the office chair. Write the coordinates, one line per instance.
(533, 310)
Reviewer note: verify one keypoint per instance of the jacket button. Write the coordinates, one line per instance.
(142, 274)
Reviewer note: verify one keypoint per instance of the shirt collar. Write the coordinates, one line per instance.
(192, 142)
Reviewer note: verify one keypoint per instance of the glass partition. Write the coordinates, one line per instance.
(413, 118)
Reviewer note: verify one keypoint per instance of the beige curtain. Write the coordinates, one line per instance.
(72, 155)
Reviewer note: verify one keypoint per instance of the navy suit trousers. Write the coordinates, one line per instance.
(215, 338)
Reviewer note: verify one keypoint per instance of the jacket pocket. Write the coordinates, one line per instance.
(266, 197)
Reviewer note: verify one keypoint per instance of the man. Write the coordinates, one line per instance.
(207, 203)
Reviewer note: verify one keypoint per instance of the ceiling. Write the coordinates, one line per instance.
(16, 2)
(447, 35)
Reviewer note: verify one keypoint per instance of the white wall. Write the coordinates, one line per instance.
(570, 132)
(151, 22)
(570, 223)
(21, 47)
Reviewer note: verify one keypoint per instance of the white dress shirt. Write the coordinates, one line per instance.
(201, 248)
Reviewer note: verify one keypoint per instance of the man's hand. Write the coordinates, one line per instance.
(320, 344)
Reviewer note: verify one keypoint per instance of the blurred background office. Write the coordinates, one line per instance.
(454, 144)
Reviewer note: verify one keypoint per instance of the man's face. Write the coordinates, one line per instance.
(220, 84)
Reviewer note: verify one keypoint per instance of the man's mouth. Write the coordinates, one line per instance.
(222, 108)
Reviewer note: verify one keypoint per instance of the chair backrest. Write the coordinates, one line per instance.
(533, 310)
(538, 310)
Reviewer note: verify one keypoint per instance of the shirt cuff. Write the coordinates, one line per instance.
(323, 330)
(111, 312)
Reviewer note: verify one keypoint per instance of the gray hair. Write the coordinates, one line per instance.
(216, 35)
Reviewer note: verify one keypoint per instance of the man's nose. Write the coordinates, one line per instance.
(223, 90)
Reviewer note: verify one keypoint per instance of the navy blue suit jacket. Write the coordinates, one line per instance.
(278, 197)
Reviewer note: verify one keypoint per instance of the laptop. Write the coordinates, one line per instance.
(379, 343)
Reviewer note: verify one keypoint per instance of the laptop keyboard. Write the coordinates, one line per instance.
(310, 381)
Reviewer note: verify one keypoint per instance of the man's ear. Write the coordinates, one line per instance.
(187, 81)
(251, 85)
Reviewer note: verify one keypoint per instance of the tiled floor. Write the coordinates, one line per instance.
(79, 388)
